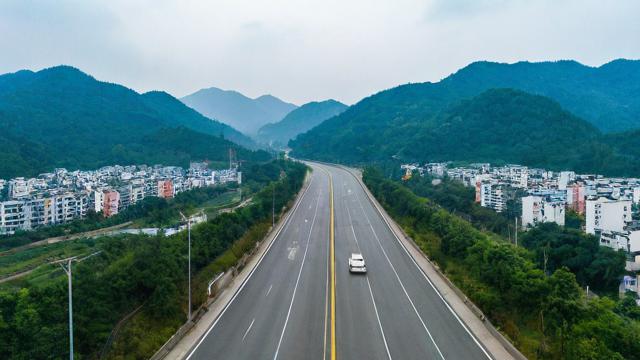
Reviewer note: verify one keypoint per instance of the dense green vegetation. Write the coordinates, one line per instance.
(237, 110)
(134, 271)
(61, 117)
(606, 96)
(546, 315)
(299, 120)
(498, 126)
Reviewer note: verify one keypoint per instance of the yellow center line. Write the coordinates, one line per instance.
(333, 274)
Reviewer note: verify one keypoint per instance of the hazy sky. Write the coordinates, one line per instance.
(306, 50)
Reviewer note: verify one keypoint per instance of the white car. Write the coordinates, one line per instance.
(356, 264)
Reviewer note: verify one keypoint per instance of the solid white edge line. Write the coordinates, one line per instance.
(464, 326)
(287, 222)
(295, 288)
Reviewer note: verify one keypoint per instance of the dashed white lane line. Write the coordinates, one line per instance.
(295, 288)
(268, 291)
(248, 329)
(400, 281)
(375, 307)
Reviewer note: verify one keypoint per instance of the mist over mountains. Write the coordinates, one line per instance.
(238, 110)
(299, 121)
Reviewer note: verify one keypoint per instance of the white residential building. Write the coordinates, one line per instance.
(604, 214)
(19, 188)
(628, 241)
(515, 175)
(493, 196)
(13, 216)
(538, 209)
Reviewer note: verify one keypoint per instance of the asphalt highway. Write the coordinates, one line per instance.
(299, 304)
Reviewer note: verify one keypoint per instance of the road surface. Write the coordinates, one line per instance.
(299, 304)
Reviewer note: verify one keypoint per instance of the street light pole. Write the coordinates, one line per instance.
(273, 206)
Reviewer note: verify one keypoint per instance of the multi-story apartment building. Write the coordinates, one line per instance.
(493, 196)
(605, 214)
(576, 198)
(19, 188)
(165, 189)
(515, 175)
(13, 216)
(538, 209)
(111, 203)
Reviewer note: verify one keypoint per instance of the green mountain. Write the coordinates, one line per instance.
(607, 96)
(499, 125)
(64, 117)
(300, 120)
(237, 110)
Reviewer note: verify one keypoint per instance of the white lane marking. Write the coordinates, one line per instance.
(398, 277)
(384, 338)
(268, 291)
(249, 328)
(295, 288)
(464, 326)
(375, 307)
(246, 280)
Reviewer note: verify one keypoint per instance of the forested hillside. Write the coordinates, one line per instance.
(64, 117)
(300, 120)
(499, 125)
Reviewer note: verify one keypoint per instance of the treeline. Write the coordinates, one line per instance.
(133, 271)
(153, 211)
(554, 247)
(546, 315)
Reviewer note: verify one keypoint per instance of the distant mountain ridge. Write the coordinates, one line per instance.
(607, 96)
(498, 126)
(386, 124)
(300, 120)
(238, 110)
(63, 117)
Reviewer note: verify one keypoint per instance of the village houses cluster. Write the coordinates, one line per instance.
(608, 204)
(62, 196)
(544, 196)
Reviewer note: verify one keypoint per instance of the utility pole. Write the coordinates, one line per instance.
(189, 256)
(68, 271)
(273, 206)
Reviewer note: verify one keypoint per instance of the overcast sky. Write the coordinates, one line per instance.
(306, 50)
